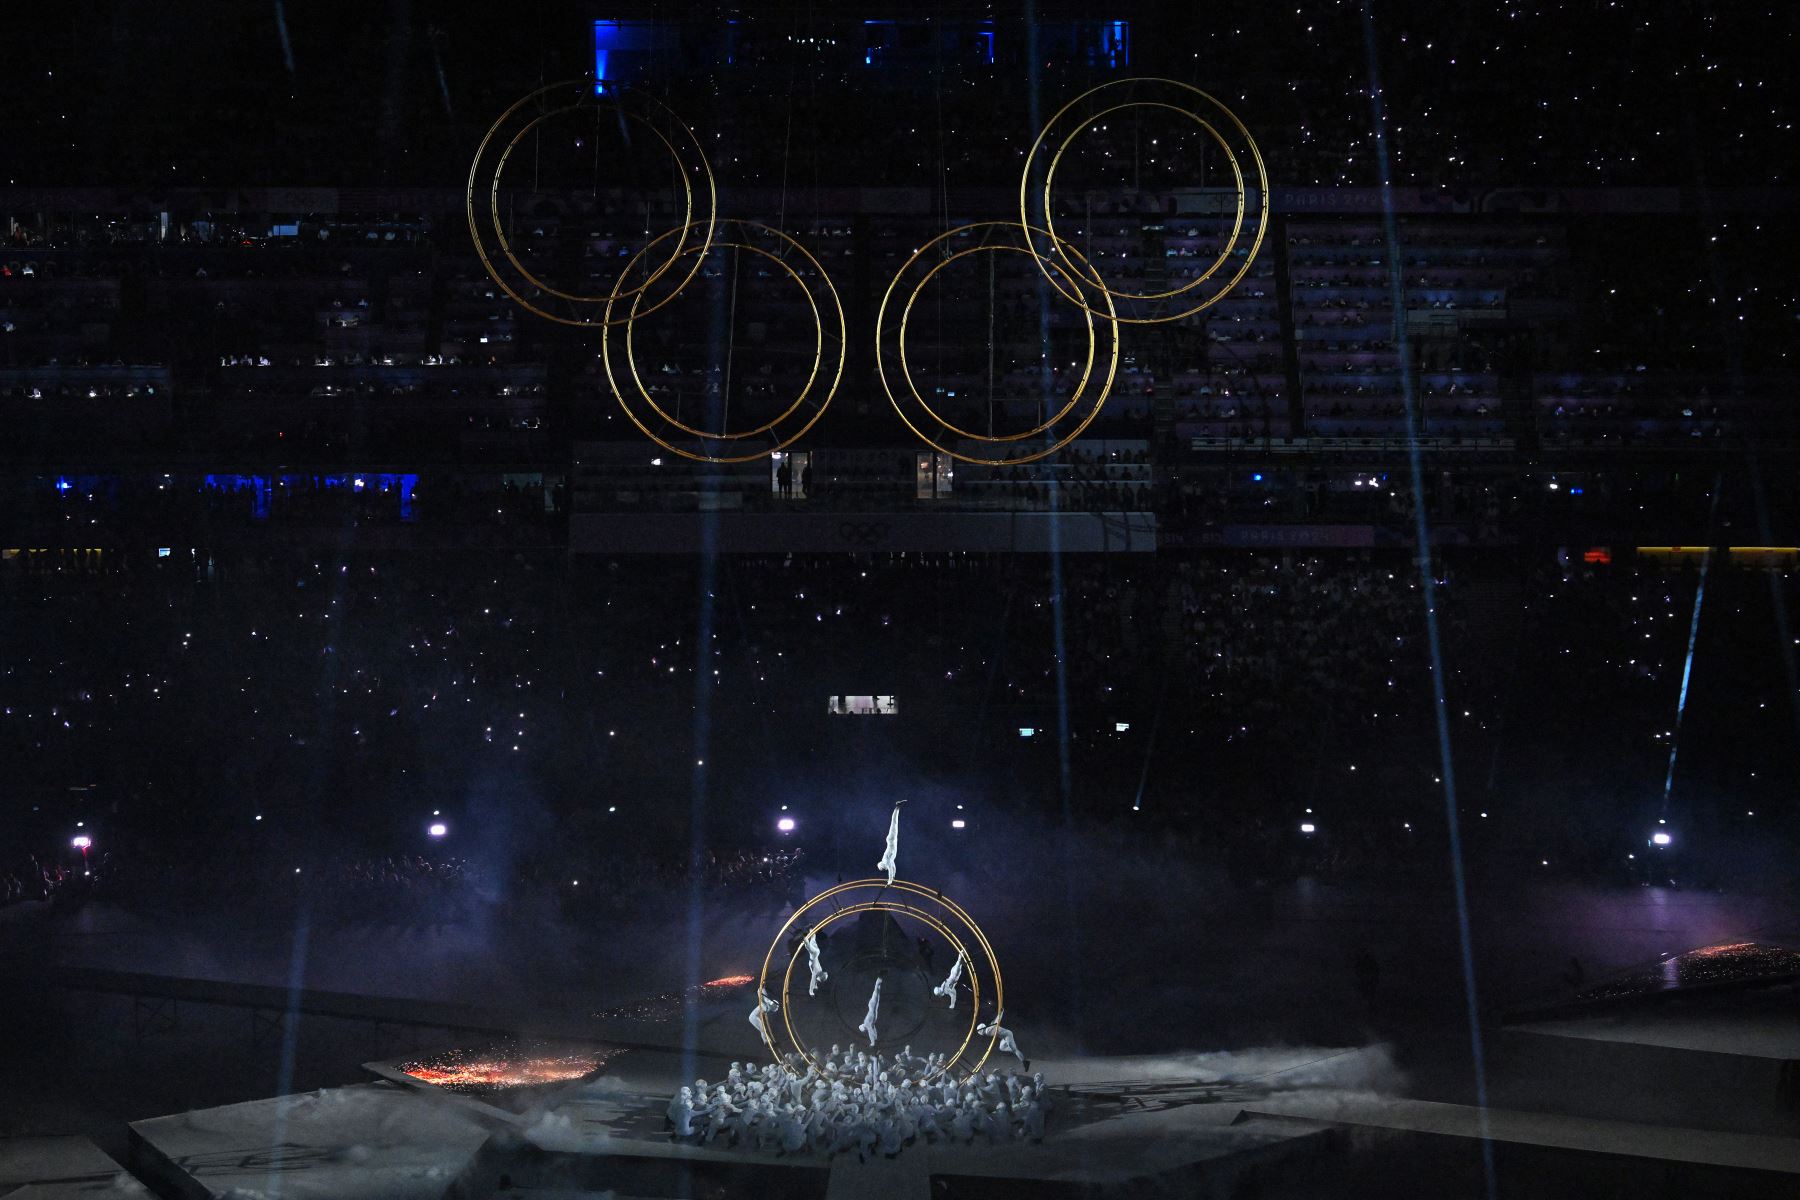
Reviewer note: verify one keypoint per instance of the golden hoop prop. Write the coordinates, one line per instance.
(1072, 272)
(500, 230)
(912, 889)
(585, 98)
(1056, 243)
(887, 906)
(704, 435)
(906, 314)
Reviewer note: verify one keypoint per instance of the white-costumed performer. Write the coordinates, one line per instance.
(947, 989)
(868, 1025)
(759, 1015)
(813, 964)
(891, 856)
(1008, 1043)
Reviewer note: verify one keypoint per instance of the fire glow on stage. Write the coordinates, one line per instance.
(490, 1071)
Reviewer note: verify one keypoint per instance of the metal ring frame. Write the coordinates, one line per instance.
(1047, 224)
(616, 100)
(1085, 270)
(705, 435)
(906, 370)
(506, 249)
(896, 906)
(887, 906)
(1061, 264)
(1237, 174)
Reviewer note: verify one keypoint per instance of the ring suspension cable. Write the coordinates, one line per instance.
(991, 307)
(787, 138)
(730, 344)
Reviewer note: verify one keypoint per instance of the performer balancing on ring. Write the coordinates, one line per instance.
(868, 1024)
(813, 964)
(890, 859)
(759, 1016)
(947, 989)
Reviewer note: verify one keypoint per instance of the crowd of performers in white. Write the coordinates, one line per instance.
(852, 1099)
(857, 1101)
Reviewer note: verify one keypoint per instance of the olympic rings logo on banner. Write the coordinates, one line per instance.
(657, 275)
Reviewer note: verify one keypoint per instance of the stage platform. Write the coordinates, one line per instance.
(1434, 1144)
(1303, 1121)
(1157, 1126)
(360, 1141)
(62, 1168)
(1684, 1094)
(1713, 1059)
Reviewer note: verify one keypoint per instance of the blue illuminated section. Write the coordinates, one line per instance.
(878, 36)
(259, 487)
(606, 40)
(987, 46)
(1115, 43)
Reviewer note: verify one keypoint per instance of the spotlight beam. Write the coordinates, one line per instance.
(1428, 584)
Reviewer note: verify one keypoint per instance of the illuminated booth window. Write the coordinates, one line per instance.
(933, 476)
(863, 706)
(790, 474)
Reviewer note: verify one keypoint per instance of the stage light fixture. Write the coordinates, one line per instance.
(959, 823)
(1308, 827)
(437, 829)
(786, 824)
(1661, 839)
(82, 843)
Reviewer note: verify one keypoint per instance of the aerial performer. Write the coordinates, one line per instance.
(947, 989)
(890, 858)
(813, 964)
(1008, 1043)
(759, 1015)
(868, 1024)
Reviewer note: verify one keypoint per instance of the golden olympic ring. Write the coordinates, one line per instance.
(719, 436)
(614, 100)
(906, 314)
(887, 906)
(494, 200)
(1057, 244)
(1237, 174)
(1073, 271)
(912, 889)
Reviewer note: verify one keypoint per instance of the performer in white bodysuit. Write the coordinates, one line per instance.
(890, 857)
(947, 989)
(868, 1025)
(759, 1014)
(1008, 1043)
(814, 965)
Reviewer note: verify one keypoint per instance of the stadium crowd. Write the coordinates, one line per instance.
(242, 717)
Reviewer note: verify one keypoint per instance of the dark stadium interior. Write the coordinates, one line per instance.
(1405, 653)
